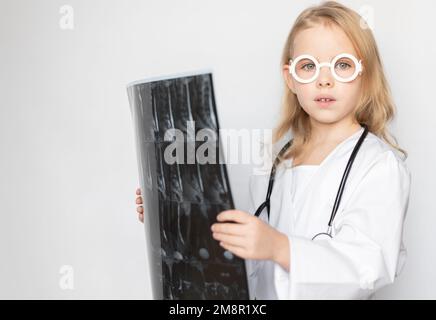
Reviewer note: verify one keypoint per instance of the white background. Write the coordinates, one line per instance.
(68, 168)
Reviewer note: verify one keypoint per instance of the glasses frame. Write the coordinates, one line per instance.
(331, 65)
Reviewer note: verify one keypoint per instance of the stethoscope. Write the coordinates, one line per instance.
(328, 233)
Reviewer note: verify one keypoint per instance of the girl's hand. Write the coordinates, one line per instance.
(139, 209)
(250, 237)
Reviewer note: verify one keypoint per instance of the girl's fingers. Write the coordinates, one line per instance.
(229, 228)
(237, 241)
(139, 200)
(141, 217)
(234, 215)
(140, 210)
(240, 252)
(138, 191)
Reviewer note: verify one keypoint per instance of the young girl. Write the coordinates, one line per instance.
(335, 90)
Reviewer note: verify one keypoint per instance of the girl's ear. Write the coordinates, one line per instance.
(288, 78)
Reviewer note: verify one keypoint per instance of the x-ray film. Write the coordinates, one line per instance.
(184, 186)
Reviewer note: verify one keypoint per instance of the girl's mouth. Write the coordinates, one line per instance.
(324, 101)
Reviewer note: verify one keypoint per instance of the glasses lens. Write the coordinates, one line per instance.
(305, 68)
(345, 68)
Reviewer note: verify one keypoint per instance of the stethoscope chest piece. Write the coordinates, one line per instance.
(324, 235)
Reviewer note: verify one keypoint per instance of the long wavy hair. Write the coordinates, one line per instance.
(375, 107)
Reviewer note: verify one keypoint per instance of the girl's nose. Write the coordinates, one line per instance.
(325, 79)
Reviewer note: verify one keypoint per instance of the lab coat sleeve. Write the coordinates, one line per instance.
(365, 250)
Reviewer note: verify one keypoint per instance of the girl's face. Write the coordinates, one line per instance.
(324, 43)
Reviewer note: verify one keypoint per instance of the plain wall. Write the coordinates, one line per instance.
(68, 168)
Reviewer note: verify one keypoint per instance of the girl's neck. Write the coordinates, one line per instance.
(325, 133)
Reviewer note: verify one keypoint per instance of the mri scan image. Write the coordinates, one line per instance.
(184, 185)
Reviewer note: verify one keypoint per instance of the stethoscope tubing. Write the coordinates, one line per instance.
(266, 203)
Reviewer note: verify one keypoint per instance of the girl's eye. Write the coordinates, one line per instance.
(308, 66)
(343, 65)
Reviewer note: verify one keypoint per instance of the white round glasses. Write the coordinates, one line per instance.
(344, 67)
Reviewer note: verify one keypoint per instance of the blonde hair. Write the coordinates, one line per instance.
(375, 107)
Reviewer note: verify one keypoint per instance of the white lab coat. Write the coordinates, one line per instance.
(366, 252)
